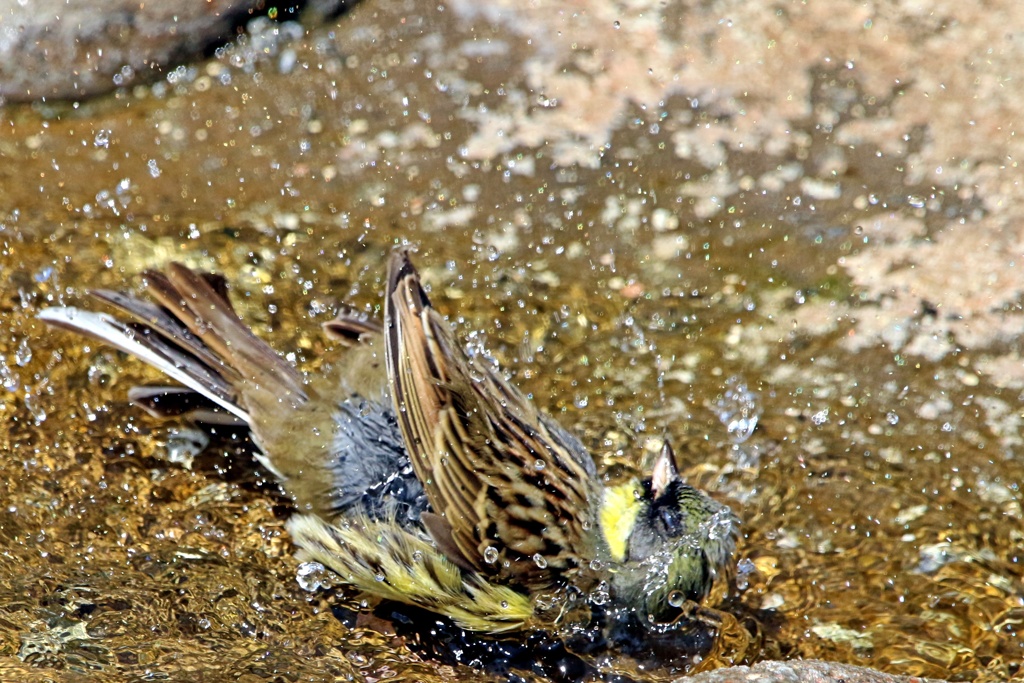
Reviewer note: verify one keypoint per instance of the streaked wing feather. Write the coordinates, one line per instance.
(489, 461)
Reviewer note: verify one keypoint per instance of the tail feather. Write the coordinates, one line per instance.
(202, 307)
(162, 321)
(351, 327)
(174, 401)
(193, 335)
(174, 361)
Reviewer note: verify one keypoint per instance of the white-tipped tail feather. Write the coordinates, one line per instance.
(116, 333)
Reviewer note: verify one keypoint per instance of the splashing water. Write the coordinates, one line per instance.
(23, 354)
(739, 409)
(9, 379)
(312, 576)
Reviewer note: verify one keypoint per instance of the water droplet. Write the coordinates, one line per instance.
(311, 576)
(23, 354)
(820, 417)
(892, 418)
(490, 554)
(33, 405)
(43, 274)
(9, 379)
(540, 561)
(90, 413)
(184, 444)
(745, 568)
(738, 409)
(676, 598)
(547, 102)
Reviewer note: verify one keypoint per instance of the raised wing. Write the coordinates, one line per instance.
(514, 495)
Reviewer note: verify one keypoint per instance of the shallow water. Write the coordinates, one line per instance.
(644, 284)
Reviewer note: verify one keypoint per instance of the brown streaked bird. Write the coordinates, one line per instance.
(419, 472)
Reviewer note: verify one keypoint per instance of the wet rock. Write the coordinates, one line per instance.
(68, 49)
(808, 671)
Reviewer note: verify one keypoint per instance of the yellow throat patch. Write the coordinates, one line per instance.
(619, 510)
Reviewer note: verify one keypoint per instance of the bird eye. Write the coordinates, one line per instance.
(671, 520)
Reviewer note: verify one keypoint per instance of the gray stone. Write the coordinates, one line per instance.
(806, 671)
(69, 49)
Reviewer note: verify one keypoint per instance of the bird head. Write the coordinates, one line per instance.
(667, 540)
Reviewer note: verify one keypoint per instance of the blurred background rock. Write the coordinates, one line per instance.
(71, 49)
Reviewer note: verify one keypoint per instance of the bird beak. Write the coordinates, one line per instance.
(664, 471)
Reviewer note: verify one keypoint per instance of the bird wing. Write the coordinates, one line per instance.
(513, 493)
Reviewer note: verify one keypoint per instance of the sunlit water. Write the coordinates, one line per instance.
(879, 493)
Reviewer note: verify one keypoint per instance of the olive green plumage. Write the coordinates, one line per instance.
(419, 472)
(381, 558)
